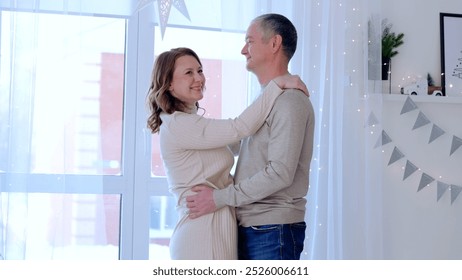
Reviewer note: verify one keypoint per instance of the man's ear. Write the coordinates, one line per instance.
(276, 42)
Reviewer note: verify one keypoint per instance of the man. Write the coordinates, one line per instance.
(272, 173)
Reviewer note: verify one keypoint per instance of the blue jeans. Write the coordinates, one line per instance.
(271, 242)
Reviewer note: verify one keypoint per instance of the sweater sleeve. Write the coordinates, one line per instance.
(197, 132)
(288, 129)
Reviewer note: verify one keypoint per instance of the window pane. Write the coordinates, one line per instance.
(62, 226)
(163, 218)
(66, 74)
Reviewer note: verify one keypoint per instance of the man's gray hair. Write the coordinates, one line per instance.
(276, 24)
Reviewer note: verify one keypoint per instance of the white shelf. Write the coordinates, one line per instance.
(423, 98)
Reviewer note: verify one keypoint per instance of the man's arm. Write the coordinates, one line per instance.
(288, 125)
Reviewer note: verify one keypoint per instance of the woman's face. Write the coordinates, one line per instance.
(188, 80)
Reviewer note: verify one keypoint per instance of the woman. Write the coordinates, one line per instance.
(194, 149)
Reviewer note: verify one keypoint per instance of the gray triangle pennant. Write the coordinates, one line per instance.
(372, 120)
(383, 140)
(410, 168)
(408, 106)
(425, 180)
(421, 121)
(456, 143)
(455, 191)
(395, 155)
(436, 132)
(441, 189)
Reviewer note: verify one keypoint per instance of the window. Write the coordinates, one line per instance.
(62, 98)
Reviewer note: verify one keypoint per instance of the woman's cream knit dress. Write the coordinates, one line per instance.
(194, 151)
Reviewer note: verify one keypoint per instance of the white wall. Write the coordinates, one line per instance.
(419, 21)
(415, 224)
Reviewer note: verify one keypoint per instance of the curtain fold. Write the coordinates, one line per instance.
(18, 77)
(342, 202)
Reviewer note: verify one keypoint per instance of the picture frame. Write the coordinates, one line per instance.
(451, 54)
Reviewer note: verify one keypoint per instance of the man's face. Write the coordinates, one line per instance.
(256, 50)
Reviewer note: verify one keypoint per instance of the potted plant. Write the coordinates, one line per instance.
(390, 41)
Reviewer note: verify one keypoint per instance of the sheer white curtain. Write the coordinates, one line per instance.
(53, 128)
(344, 208)
(334, 57)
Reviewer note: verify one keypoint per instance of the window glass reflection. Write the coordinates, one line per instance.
(62, 95)
(62, 226)
(163, 218)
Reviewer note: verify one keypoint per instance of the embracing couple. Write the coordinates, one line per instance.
(258, 214)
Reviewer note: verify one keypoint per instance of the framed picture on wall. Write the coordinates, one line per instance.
(451, 53)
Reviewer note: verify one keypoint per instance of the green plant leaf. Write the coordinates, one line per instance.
(390, 41)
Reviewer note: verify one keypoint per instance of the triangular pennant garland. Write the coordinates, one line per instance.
(396, 155)
(455, 191)
(410, 168)
(441, 189)
(409, 105)
(383, 140)
(372, 120)
(421, 121)
(425, 180)
(456, 143)
(436, 132)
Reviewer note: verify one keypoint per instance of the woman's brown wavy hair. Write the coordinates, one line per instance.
(159, 98)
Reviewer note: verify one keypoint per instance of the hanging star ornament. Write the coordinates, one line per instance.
(141, 5)
(164, 12)
(164, 7)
